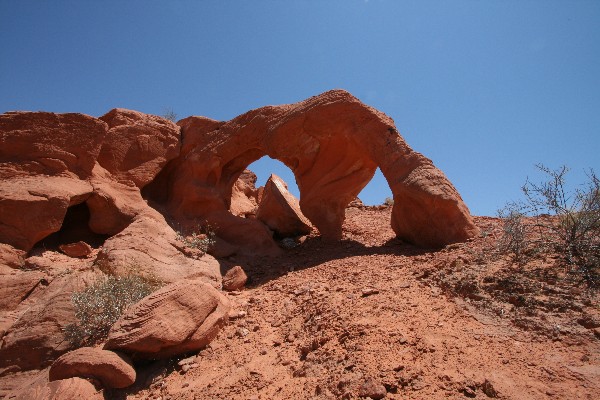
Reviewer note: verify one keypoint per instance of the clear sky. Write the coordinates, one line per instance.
(486, 89)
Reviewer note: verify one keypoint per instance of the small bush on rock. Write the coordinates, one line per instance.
(101, 304)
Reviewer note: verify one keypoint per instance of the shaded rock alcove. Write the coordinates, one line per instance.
(74, 229)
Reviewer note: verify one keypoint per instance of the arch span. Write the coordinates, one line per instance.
(333, 143)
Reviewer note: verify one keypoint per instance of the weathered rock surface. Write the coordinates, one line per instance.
(244, 195)
(65, 389)
(179, 318)
(333, 143)
(77, 249)
(44, 143)
(113, 370)
(16, 286)
(235, 279)
(36, 338)
(137, 145)
(11, 257)
(149, 246)
(280, 211)
(33, 207)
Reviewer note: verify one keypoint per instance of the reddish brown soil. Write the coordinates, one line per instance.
(325, 319)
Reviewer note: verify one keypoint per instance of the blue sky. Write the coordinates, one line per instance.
(486, 89)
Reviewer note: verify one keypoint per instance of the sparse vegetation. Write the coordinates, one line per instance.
(563, 221)
(202, 238)
(388, 201)
(170, 115)
(101, 304)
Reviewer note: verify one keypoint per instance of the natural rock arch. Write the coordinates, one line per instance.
(333, 143)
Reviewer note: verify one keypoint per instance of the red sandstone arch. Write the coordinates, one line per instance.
(333, 143)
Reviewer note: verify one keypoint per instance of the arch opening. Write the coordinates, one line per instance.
(263, 193)
(377, 191)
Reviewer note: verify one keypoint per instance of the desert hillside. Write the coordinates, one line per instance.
(373, 317)
(138, 260)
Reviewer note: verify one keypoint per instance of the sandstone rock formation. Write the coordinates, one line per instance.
(148, 246)
(137, 145)
(333, 143)
(111, 369)
(15, 286)
(280, 211)
(64, 389)
(10, 257)
(36, 337)
(244, 195)
(49, 162)
(179, 318)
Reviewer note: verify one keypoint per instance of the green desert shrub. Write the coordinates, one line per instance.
(562, 220)
(202, 238)
(101, 304)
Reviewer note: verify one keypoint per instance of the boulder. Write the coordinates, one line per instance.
(179, 318)
(333, 143)
(280, 210)
(78, 250)
(356, 203)
(112, 369)
(113, 205)
(244, 195)
(137, 145)
(234, 279)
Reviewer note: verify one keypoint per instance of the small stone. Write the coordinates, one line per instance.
(242, 332)
(186, 361)
(488, 389)
(369, 291)
(79, 249)
(237, 314)
(373, 389)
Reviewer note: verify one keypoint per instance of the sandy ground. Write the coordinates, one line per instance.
(371, 316)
